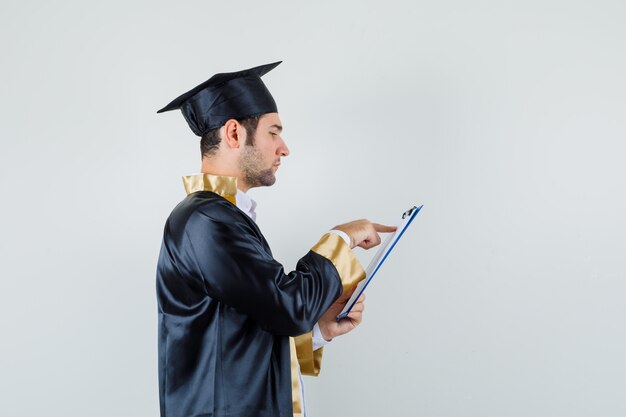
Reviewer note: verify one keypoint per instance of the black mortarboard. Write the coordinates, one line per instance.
(229, 95)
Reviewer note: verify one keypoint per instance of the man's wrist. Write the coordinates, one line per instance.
(343, 235)
(318, 338)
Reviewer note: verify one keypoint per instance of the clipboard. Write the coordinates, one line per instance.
(380, 257)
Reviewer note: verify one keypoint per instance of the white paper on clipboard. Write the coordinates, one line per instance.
(381, 255)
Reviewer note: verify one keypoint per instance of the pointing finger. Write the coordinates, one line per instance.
(384, 229)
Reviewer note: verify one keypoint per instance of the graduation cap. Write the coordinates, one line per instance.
(229, 95)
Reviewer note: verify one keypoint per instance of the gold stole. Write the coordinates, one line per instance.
(295, 380)
(307, 361)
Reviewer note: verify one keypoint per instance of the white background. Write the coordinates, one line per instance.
(506, 119)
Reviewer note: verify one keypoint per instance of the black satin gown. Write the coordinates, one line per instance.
(226, 309)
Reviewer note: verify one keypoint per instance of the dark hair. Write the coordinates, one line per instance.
(210, 141)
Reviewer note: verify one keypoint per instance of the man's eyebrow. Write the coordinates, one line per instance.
(279, 127)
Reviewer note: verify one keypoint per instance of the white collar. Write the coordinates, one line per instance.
(246, 204)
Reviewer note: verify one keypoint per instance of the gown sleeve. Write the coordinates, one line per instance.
(237, 268)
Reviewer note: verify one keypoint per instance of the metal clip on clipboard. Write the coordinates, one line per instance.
(409, 212)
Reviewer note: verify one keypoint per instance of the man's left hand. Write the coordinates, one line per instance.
(330, 327)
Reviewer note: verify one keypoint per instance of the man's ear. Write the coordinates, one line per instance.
(232, 133)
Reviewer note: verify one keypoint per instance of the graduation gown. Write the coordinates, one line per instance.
(227, 309)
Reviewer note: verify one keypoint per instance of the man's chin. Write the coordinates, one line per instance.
(270, 182)
(264, 179)
(269, 177)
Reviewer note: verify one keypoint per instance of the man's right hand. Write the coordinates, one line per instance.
(364, 233)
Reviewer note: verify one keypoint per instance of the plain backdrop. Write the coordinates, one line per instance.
(506, 119)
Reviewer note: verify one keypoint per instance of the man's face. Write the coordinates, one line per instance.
(259, 162)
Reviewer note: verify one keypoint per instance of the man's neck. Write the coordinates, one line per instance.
(214, 168)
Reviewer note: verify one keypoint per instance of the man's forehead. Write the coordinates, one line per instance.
(271, 120)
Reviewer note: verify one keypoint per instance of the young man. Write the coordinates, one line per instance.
(236, 330)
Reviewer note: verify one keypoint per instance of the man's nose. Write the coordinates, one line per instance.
(283, 150)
